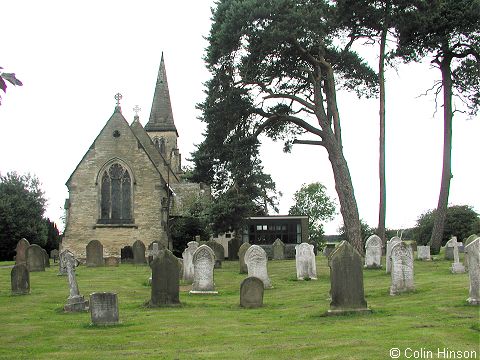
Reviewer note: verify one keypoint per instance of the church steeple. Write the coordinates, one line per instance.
(161, 116)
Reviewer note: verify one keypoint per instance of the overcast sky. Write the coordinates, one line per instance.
(74, 57)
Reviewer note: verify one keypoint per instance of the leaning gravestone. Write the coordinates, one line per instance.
(449, 248)
(388, 255)
(187, 256)
(423, 252)
(62, 265)
(35, 258)
(346, 278)
(256, 260)
(165, 280)
(104, 308)
(241, 257)
(219, 252)
(465, 243)
(305, 262)
(278, 250)
(251, 293)
(54, 255)
(373, 252)
(402, 269)
(46, 258)
(95, 254)
(457, 266)
(138, 249)
(75, 301)
(203, 263)
(21, 251)
(473, 253)
(20, 280)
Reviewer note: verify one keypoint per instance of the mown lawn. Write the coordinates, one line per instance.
(291, 325)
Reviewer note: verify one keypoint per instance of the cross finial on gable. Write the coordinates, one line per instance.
(136, 110)
(118, 97)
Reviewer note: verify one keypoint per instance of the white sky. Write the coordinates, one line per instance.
(74, 57)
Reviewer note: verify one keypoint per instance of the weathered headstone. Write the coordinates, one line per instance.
(203, 263)
(465, 243)
(423, 252)
(388, 255)
(95, 254)
(278, 250)
(104, 308)
(154, 249)
(373, 252)
(251, 293)
(241, 257)
(35, 258)
(219, 252)
(21, 251)
(329, 247)
(165, 280)
(54, 255)
(449, 248)
(402, 269)
(138, 249)
(20, 280)
(187, 256)
(457, 266)
(112, 261)
(75, 301)
(46, 258)
(305, 262)
(62, 265)
(473, 253)
(256, 260)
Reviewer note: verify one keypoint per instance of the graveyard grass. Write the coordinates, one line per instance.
(291, 325)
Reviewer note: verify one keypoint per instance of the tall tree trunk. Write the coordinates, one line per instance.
(441, 213)
(381, 166)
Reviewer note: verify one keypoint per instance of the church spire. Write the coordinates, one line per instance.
(161, 116)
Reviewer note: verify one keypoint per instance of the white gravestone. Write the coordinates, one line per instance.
(305, 262)
(473, 253)
(402, 269)
(466, 242)
(388, 261)
(203, 263)
(423, 252)
(256, 260)
(187, 256)
(373, 252)
(457, 266)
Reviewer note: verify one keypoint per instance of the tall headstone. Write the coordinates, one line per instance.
(278, 250)
(467, 241)
(62, 264)
(203, 263)
(94, 254)
(388, 255)
(165, 280)
(138, 249)
(35, 258)
(21, 251)
(373, 252)
(457, 266)
(187, 256)
(46, 258)
(423, 252)
(251, 293)
(473, 253)
(402, 269)
(256, 260)
(305, 262)
(20, 280)
(219, 252)
(75, 301)
(449, 248)
(104, 308)
(241, 257)
(346, 278)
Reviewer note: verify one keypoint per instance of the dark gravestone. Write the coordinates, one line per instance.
(35, 258)
(138, 249)
(21, 251)
(278, 250)
(346, 277)
(126, 255)
(165, 280)
(94, 253)
(251, 293)
(219, 252)
(104, 308)
(46, 258)
(20, 279)
(54, 255)
(241, 257)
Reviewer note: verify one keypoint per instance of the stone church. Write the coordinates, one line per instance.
(128, 184)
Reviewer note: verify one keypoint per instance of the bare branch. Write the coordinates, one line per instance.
(308, 142)
(293, 98)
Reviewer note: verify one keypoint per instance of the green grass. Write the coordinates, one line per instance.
(291, 325)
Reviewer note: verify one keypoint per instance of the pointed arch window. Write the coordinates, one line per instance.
(160, 145)
(116, 196)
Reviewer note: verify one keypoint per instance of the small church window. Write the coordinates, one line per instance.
(160, 145)
(116, 196)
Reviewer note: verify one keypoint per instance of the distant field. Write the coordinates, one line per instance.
(291, 325)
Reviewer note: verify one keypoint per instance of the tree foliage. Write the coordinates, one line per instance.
(11, 78)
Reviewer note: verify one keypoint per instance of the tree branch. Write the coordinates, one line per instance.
(308, 142)
(291, 97)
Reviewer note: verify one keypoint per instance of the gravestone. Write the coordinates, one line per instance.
(241, 257)
(219, 252)
(329, 247)
(346, 279)
(46, 258)
(402, 269)
(20, 280)
(203, 263)
(449, 248)
(251, 293)
(256, 260)
(388, 255)
(104, 308)
(373, 252)
(138, 249)
(62, 265)
(305, 262)
(473, 253)
(423, 252)
(457, 266)
(165, 280)
(187, 256)
(153, 250)
(54, 255)
(94, 254)
(465, 243)
(35, 258)
(278, 250)
(21, 251)
(112, 261)
(75, 301)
